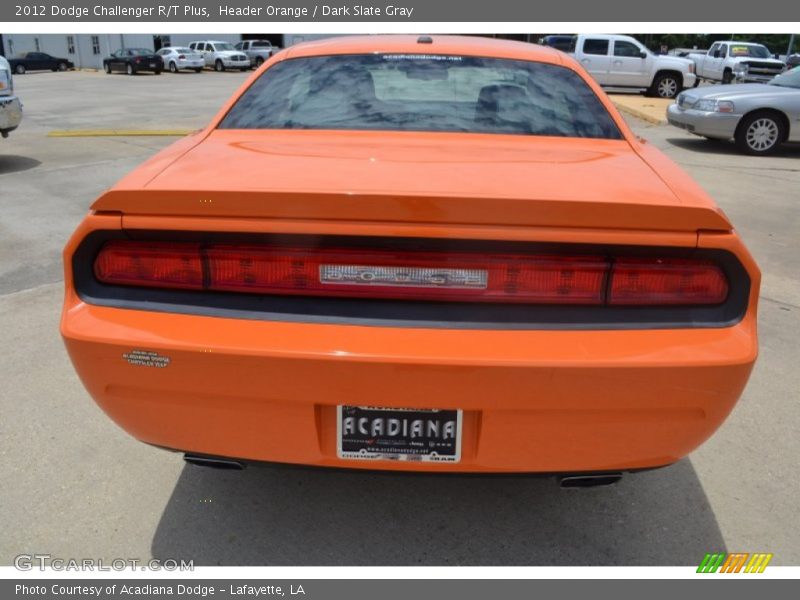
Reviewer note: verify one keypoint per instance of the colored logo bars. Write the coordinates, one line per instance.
(734, 563)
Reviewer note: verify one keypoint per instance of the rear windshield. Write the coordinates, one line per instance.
(416, 92)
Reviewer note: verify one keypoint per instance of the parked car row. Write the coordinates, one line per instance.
(215, 54)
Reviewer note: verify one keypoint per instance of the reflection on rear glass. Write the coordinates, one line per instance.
(417, 92)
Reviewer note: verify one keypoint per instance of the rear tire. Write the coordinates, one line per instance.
(198, 70)
(666, 85)
(173, 68)
(760, 133)
(130, 70)
(107, 68)
(218, 66)
(62, 66)
(259, 61)
(19, 69)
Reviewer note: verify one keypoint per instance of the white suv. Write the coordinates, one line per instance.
(221, 55)
(10, 106)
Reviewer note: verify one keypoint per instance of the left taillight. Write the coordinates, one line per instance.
(161, 265)
(412, 275)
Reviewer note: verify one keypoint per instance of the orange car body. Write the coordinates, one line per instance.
(533, 399)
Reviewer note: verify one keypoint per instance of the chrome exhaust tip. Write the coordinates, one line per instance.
(585, 481)
(213, 463)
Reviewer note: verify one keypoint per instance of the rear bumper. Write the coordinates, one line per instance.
(10, 113)
(533, 401)
(191, 64)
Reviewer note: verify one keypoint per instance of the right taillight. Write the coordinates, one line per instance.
(650, 281)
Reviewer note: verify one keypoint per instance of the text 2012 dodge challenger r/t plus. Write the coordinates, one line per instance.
(436, 254)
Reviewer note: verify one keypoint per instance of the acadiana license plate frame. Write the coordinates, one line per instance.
(421, 435)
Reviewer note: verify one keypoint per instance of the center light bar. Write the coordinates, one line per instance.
(412, 275)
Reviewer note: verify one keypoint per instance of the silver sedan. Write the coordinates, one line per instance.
(758, 116)
(178, 58)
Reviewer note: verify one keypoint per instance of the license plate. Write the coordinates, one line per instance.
(152, 64)
(421, 435)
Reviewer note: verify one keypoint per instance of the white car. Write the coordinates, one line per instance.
(10, 106)
(179, 58)
(221, 55)
(620, 61)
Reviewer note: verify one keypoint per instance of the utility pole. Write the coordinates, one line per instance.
(791, 45)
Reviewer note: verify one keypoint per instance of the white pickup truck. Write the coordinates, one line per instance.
(737, 61)
(10, 106)
(620, 61)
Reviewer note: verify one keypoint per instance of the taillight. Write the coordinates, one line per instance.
(412, 275)
(666, 281)
(150, 264)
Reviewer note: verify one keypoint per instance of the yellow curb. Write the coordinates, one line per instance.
(652, 110)
(117, 132)
(640, 114)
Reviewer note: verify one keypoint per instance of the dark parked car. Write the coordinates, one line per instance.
(39, 61)
(793, 60)
(133, 60)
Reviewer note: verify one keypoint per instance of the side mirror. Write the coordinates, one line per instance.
(642, 54)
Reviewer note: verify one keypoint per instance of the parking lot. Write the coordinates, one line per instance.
(76, 486)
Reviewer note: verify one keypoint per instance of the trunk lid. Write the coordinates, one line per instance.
(414, 177)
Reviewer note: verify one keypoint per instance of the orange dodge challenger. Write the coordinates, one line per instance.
(434, 254)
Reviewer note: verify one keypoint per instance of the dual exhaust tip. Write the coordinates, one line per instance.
(567, 481)
(213, 462)
(586, 481)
